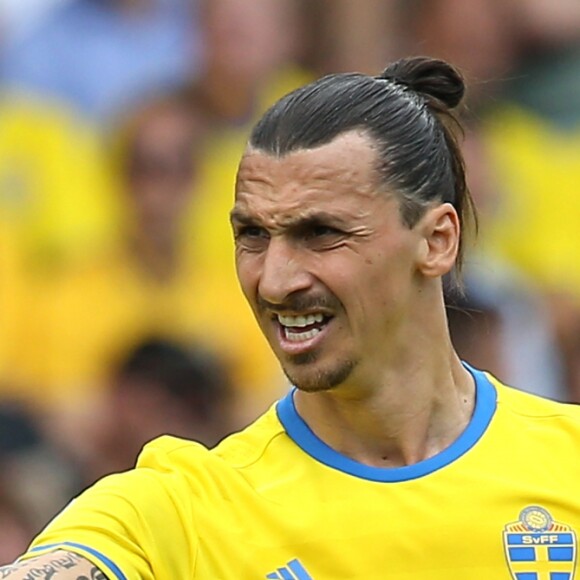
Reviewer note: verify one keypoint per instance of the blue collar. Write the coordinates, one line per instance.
(303, 436)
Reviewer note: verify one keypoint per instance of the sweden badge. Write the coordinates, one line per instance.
(538, 548)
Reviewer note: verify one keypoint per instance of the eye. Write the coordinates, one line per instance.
(251, 232)
(320, 231)
(321, 237)
(251, 237)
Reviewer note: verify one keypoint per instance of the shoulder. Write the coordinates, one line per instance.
(236, 452)
(519, 404)
(533, 442)
(250, 445)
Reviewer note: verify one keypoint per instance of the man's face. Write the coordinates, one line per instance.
(161, 167)
(324, 260)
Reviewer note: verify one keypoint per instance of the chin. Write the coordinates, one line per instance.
(310, 379)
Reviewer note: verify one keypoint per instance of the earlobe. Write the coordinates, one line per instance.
(441, 230)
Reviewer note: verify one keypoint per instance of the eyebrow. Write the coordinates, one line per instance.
(238, 216)
(315, 218)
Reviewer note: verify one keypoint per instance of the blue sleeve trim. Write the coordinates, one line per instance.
(304, 437)
(101, 557)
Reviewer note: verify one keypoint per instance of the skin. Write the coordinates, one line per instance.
(60, 564)
(317, 233)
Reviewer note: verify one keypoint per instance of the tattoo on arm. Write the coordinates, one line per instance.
(58, 565)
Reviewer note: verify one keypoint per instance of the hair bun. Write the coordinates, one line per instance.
(429, 77)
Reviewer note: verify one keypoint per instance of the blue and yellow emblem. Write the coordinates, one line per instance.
(538, 548)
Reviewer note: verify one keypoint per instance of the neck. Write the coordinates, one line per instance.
(415, 407)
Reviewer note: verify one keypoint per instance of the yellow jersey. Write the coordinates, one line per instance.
(275, 502)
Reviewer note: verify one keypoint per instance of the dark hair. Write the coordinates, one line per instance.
(191, 374)
(18, 429)
(406, 110)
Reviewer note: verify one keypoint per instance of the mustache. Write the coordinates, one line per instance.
(300, 303)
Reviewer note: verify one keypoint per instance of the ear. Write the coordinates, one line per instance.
(440, 232)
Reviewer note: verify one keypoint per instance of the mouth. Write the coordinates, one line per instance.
(299, 333)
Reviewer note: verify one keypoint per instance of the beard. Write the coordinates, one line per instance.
(317, 380)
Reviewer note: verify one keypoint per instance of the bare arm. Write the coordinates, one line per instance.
(59, 565)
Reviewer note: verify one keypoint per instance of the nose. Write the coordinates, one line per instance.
(284, 271)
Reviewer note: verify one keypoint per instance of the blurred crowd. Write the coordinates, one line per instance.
(121, 125)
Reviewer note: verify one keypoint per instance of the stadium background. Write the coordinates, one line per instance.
(121, 124)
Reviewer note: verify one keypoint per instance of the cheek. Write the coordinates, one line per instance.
(358, 283)
(248, 273)
(381, 282)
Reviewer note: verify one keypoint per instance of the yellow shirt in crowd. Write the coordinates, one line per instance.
(81, 323)
(536, 220)
(54, 210)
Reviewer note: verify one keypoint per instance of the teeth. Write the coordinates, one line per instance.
(300, 321)
(299, 336)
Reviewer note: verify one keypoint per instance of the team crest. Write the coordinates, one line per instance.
(538, 548)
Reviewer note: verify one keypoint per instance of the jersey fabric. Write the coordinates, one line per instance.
(275, 502)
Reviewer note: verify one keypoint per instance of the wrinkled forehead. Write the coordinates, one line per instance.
(337, 180)
(348, 163)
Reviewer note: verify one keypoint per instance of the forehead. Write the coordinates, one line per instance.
(341, 173)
